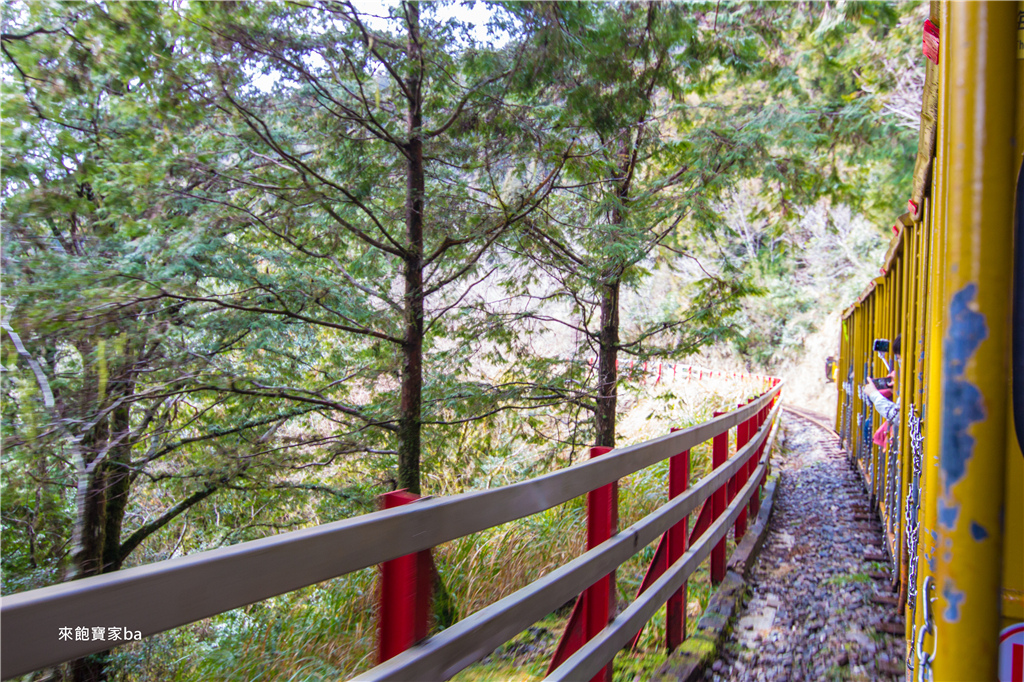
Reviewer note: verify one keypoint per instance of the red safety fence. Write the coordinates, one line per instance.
(662, 371)
(150, 599)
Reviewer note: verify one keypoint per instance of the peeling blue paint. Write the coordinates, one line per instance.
(962, 402)
(978, 531)
(929, 558)
(948, 514)
(955, 598)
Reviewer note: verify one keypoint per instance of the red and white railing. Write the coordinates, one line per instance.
(153, 598)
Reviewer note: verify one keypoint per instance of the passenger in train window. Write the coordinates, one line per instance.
(883, 403)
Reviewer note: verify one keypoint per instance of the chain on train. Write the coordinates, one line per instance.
(912, 523)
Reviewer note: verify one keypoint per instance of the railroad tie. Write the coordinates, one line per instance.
(890, 599)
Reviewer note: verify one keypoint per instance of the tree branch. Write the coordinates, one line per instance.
(136, 538)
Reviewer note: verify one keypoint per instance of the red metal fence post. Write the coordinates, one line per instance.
(743, 431)
(592, 611)
(405, 587)
(671, 547)
(755, 499)
(719, 455)
(602, 517)
(730, 485)
(764, 420)
(675, 609)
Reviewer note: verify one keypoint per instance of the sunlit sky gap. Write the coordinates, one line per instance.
(376, 12)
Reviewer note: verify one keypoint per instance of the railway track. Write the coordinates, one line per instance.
(813, 417)
(821, 604)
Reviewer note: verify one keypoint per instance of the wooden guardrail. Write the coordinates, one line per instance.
(157, 597)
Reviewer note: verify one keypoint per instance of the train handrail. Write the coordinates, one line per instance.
(167, 594)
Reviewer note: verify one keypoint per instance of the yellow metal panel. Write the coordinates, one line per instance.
(914, 369)
(933, 350)
(873, 455)
(892, 455)
(906, 375)
(1013, 543)
(976, 304)
(863, 453)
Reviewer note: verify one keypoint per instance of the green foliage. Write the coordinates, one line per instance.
(314, 633)
(848, 578)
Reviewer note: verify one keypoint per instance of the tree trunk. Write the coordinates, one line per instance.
(89, 539)
(410, 424)
(103, 493)
(90, 496)
(103, 498)
(118, 480)
(607, 373)
(608, 340)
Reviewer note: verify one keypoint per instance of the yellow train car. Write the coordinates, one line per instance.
(947, 476)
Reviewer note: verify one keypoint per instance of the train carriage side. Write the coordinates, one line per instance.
(949, 483)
